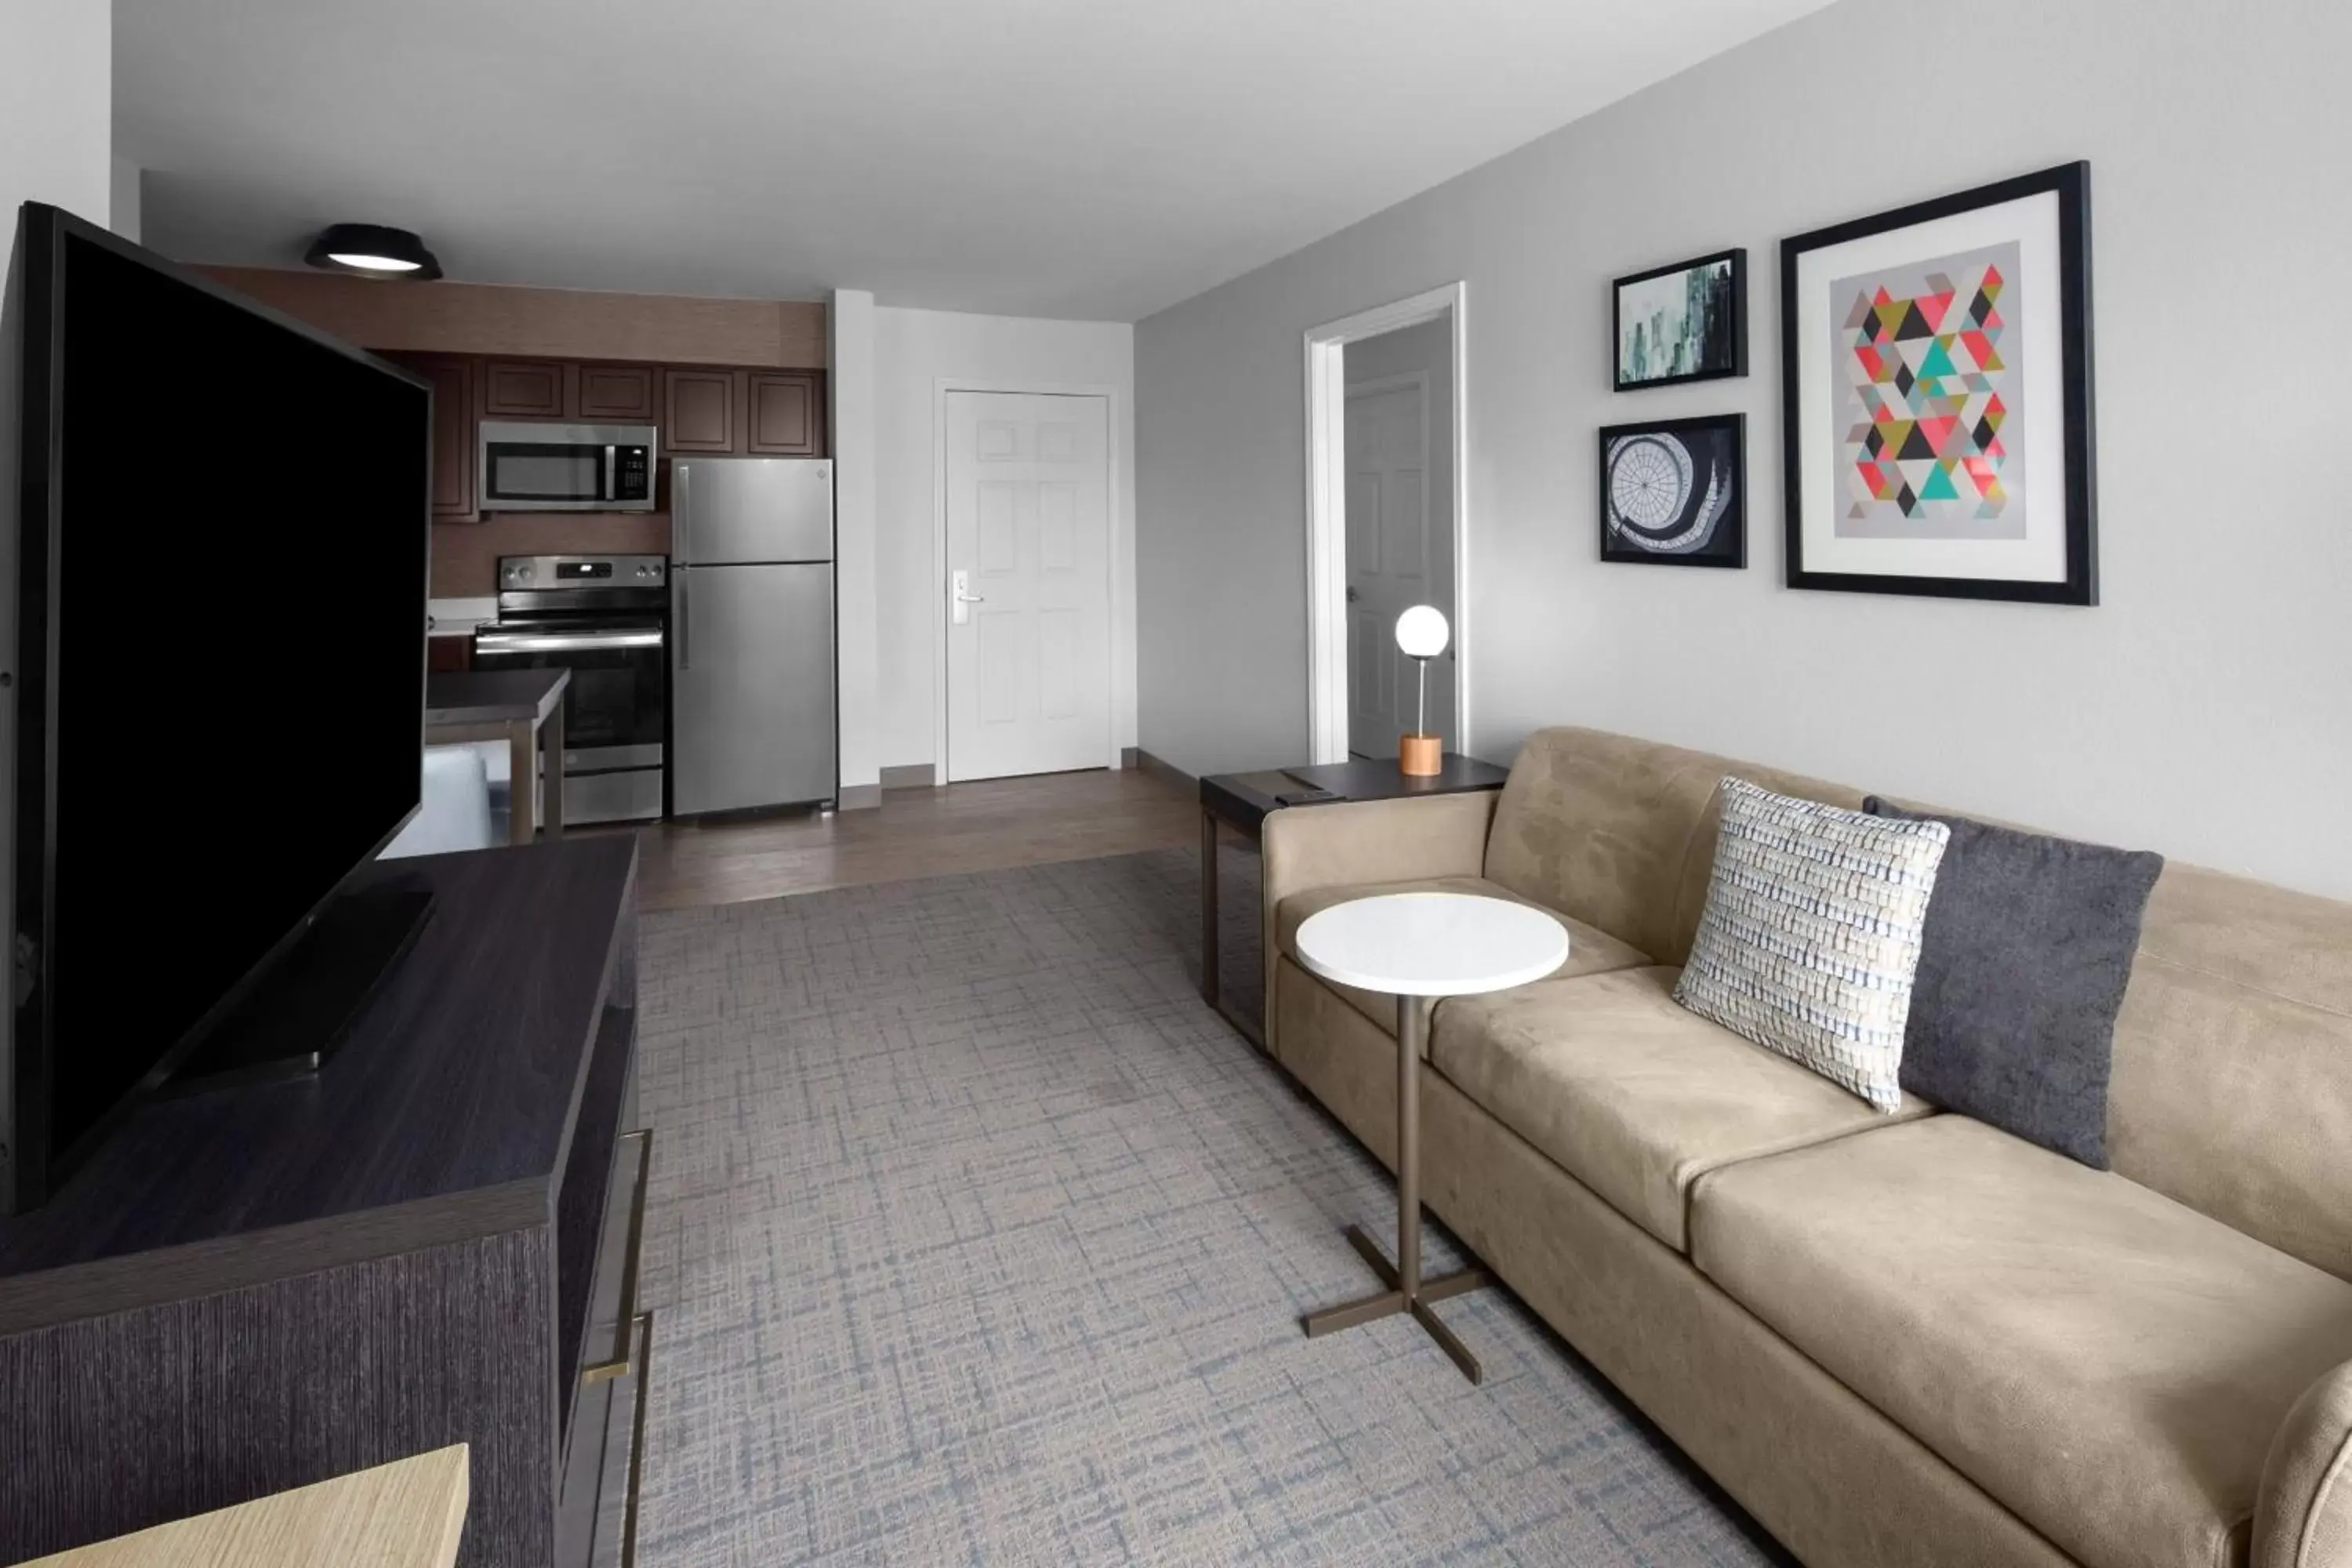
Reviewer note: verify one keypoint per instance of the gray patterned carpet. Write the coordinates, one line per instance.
(975, 1238)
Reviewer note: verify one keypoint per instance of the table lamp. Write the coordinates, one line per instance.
(1421, 633)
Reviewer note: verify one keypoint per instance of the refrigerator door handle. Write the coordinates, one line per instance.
(681, 475)
(685, 621)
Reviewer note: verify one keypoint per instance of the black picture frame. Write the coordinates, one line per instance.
(2071, 184)
(1737, 364)
(1727, 546)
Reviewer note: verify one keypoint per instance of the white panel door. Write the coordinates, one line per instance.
(1028, 485)
(1392, 565)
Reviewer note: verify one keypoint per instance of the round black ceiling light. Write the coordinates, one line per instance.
(372, 250)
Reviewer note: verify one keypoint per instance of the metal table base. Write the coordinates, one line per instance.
(1402, 1290)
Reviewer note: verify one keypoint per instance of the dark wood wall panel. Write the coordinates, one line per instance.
(513, 322)
(466, 555)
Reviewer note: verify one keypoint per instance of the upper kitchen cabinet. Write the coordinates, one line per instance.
(453, 433)
(523, 389)
(615, 392)
(700, 410)
(784, 414)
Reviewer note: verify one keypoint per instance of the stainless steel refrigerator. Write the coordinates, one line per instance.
(751, 676)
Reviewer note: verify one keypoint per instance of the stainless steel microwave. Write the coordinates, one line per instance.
(531, 467)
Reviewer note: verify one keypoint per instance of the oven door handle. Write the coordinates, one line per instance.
(564, 642)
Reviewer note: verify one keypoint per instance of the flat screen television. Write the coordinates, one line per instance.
(213, 699)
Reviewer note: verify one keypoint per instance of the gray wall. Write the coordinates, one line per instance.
(2204, 708)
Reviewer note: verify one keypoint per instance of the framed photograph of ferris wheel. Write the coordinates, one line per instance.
(1673, 492)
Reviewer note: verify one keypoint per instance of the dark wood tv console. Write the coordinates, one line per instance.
(431, 1241)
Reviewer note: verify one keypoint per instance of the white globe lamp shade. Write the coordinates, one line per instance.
(1421, 632)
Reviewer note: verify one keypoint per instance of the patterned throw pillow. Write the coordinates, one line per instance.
(1811, 932)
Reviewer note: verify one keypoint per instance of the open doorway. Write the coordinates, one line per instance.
(1386, 525)
(1399, 531)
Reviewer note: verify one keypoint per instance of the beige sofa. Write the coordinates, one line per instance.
(1906, 1339)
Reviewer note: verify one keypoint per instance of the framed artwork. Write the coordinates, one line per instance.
(1684, 322)
(1935, 397)
(1673, 492)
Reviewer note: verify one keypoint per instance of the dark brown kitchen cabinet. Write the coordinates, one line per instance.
(700, 410)
(785, 414)
(453, 434)
(613, 391)
(523, 389)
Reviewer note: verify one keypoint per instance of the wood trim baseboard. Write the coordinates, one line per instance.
(858, 797)
(910, 776)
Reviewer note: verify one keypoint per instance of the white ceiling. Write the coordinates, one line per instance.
(1082, 158)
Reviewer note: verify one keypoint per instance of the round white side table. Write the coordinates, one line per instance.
(1418, 947)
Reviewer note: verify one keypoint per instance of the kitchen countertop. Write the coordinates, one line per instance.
(459, 617)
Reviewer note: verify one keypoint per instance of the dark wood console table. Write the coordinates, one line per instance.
(431, 1241)
(1242, 802)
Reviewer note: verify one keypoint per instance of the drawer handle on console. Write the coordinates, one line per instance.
(645, 1333)
(618, 1367)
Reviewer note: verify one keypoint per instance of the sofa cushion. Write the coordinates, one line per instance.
(2023, 964)
(1811, 933)
(2109, 1364)
(1590, 951)
(1631, 1094)
(1619, 831)
(2232, 1083)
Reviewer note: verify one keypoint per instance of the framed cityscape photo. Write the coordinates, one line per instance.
(1684, 322)
(1935, 397)
(1673, 492)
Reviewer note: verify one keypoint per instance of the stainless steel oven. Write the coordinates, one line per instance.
(605, 618)
(528, 467)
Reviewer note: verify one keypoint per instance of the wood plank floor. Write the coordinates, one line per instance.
(983, 826)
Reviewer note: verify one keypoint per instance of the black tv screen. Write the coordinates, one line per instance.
(219, 670)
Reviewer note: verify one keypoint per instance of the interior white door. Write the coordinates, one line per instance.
(1392, 563)
(1028, 590)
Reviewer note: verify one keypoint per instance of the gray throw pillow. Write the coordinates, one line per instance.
(2023, 959)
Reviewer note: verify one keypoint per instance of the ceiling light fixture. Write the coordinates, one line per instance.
(372, 250)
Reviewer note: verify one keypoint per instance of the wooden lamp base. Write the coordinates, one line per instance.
(1420, 756)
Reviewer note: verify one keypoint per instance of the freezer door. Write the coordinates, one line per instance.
(728, 510)
(750, 686)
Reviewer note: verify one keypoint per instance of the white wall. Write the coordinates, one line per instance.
(914, 351)
(56, 106)
(851, 383)
(125, 199)
(2204, 708)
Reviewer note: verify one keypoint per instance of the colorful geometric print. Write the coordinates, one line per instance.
(1924, 369)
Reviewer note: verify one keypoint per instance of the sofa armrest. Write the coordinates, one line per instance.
(2303, 1514)
(1368, 841)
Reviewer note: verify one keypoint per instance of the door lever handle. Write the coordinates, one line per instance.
(964, 597)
